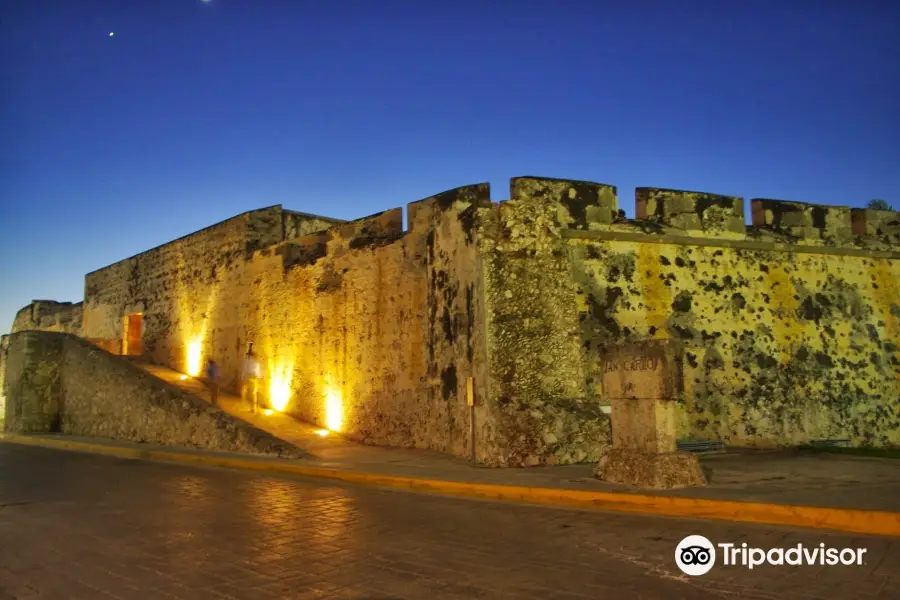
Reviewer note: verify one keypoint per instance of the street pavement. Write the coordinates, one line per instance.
(78, 526)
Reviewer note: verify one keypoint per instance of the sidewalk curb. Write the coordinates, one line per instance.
(834, 519)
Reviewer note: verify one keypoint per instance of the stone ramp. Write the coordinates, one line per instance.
(329, 450)
(285, 427)
(60, 383)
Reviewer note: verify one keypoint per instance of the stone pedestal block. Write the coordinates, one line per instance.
(643, 425)
(641, 382)
(652, 470)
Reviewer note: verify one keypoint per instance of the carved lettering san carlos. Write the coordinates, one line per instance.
(641, 363)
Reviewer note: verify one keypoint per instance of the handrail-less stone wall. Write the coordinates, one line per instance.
(59, 383)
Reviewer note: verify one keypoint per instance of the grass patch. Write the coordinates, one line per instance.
(890, 452)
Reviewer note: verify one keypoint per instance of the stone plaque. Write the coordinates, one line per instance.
(642, 371)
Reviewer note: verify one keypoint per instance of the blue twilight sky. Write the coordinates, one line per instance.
(196, 111)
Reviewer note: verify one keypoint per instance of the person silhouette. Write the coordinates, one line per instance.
(250, 379)
(212, 380)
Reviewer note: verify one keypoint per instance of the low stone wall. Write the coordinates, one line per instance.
(49, 315)
(60, 383)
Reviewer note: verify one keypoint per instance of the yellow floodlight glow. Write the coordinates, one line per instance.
(195, 356)
(321, 432)
(182, 377)
(280, 385)
(334, 409)
(268, 412)
(194, 321)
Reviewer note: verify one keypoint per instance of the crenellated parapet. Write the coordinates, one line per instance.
(883, 225)
(540, 209)
(375, 230)
(582, 204)
(49, 315)
(803, 221)
(423, 214)
(712, 214)
(386, 227)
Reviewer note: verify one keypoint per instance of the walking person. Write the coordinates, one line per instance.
(250, 379)
(212, 380)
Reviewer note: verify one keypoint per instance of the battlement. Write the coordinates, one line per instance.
(591, 206)
(586, 203)
(49, 315)
(693, 211)
(374, 230)
(803, 220)
(421, 214)
(881, 224)
(573, 206)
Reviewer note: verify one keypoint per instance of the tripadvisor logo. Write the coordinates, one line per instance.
(695, 555)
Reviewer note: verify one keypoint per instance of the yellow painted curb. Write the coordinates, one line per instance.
(835, 519)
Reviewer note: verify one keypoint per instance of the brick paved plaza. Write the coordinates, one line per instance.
(81, 526)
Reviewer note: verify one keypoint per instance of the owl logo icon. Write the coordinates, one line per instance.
(695, 555)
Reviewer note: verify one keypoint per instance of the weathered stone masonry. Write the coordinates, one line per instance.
(789, 327)
(60, 383)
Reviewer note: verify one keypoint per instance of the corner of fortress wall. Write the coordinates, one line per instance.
(789, 326)
(542, 412)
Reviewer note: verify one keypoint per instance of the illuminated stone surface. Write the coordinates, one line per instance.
(174, 532)
(62, 384)
(791, 327)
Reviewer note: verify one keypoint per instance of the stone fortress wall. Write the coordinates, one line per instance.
(789, 327)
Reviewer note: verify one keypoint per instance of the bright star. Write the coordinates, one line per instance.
(111, 34)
